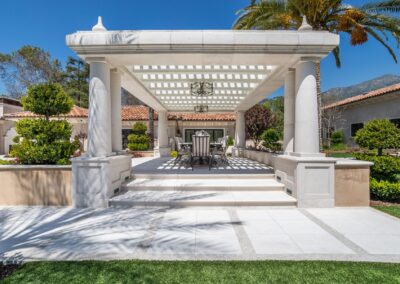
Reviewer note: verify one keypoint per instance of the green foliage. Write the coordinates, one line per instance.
(76, 81)
(139, 128)
(270, 139)
(47, 99)
(230, 141)
(385, 190)
(384, 168)
(139, 140)
(258, 119)
(28, 66)
(45, 141)
(338, 147)
(337, 137)
(276, 107)
(5, 162)
(378, 134)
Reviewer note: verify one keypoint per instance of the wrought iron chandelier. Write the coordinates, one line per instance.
(201, 108)
(202, 89)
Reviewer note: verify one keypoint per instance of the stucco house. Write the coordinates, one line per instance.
(179, 123)
(350, 114)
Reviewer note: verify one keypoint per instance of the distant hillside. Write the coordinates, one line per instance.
(337, 94)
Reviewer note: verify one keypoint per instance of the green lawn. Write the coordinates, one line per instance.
(390, 209)
(340, 155)
(206, 272)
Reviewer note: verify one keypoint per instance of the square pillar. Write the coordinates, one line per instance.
(289, 112)
(116, 120)
(164, 149)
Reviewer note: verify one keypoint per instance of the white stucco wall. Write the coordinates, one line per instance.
(387, 106)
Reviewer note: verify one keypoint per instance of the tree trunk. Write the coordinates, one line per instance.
(319, 98)
(151, 127)
(380, 151)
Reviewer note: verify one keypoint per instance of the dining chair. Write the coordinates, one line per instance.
(200, 149)
(181, 149)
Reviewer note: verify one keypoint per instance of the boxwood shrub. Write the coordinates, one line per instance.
(385, 190)
(385, 167)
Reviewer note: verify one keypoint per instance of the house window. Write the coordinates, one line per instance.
(214, 134)
(396, 121)
(355, 127)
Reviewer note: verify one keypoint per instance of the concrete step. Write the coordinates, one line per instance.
(173, 198)
(200, 184)
(202, 176)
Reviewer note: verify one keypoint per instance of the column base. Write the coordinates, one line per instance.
(311, 180)
(238, 152)
(95, 180)
(162, 152)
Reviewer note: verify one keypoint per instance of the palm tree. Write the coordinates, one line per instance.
(375, 19)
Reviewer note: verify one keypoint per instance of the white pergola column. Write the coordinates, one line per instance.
(116, 122)
(99, 124)
(240, 131)
(289, 111)
(306, 141)
(162, 125)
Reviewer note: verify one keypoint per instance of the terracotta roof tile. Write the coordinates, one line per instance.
(375, 93)
(76, 112)
(138, 113)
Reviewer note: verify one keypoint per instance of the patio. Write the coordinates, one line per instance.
(50, 233)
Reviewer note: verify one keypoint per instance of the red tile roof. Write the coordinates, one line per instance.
(76, 112)
(372, 94)
(135, 113)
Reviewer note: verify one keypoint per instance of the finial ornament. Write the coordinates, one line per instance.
(99, 26)
(305, 26)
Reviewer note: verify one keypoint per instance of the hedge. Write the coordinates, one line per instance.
(385, 190)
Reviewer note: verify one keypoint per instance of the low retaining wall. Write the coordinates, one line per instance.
(35, 185)
(261, 157)
(350, 180)
(352, 183)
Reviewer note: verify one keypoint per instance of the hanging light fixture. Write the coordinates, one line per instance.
(201, 108)
(202, 89)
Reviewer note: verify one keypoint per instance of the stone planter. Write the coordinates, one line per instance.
(35, 185)
(259, 156)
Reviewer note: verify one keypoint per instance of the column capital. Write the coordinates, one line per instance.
(116, 71)
(310, 58)
(96, 59)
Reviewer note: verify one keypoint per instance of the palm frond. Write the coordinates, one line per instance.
(379, 39)
(336, 55)
(384, 6)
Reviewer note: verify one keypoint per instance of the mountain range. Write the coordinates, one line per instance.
(342, 93)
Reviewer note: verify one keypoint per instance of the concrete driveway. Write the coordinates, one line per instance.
(49, 233)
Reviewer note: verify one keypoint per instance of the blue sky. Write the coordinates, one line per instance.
(45, 23)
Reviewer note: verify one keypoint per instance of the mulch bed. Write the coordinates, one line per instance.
(382, 203)
(7, 269)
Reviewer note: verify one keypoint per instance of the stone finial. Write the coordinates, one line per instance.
(99, 26)
(305, 26)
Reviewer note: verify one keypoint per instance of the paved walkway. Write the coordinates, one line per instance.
(50, 233)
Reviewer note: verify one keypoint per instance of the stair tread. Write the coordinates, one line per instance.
(203, 183)
(203, 196)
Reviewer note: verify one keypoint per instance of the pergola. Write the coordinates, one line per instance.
(159, 68)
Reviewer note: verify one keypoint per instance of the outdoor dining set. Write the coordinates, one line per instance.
(201, 150)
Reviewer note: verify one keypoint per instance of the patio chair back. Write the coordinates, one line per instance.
(178, 143)
(200, 146)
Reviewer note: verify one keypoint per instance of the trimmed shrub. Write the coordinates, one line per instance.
(45, 141)
(270, 139)
(385, 190)
(378, 134)
(337, 137)
(139, 140)
(385, 167)
(230, 141)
